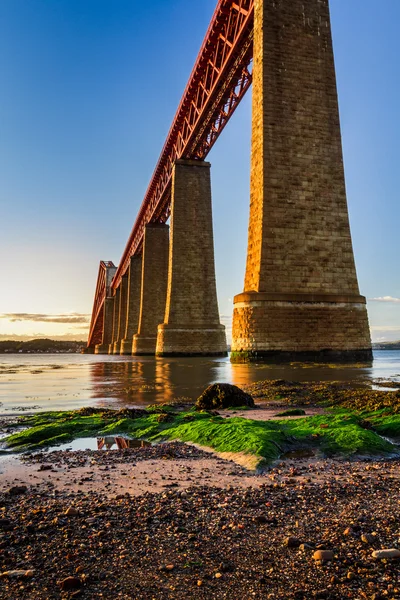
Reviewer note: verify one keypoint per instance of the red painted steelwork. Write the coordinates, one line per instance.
(102, 290)
(219, 80)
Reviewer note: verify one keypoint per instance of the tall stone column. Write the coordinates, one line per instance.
(108, 313)
(191, 325)
(153, 288)
(133, 303)
(115, 319)
(123, 297)
(301, 296)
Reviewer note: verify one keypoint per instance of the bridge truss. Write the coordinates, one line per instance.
(220, 78)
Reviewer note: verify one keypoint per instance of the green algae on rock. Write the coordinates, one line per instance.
(341, 432)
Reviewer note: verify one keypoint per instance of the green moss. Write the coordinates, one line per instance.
(339, 432)
(291, 412)
(387, 425)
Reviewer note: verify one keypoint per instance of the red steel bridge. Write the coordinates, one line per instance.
(220, 78)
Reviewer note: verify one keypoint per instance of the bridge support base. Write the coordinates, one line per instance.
(208, 341)
(191, 326)
(300, 327)
(153, 288)
(101, 348)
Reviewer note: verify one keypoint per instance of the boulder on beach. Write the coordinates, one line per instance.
(223, 395)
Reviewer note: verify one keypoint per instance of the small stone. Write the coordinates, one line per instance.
(350, 575)
(321, 594)
(261, 519)
(306, 547)
(323, 555)
(169, 567)
(17, 489)
(292, 542)
(368, 538)
(71, 512)
(348, 531)
(199, 583)
(70, 583)
(386, 553)
(218, 575)
(6, 524)
(18, 573)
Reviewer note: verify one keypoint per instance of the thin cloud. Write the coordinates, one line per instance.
(68, 318)
(385, 299)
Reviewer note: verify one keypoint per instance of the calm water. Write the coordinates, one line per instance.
(60, 382)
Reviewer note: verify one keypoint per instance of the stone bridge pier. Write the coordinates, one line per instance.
(301, 298)
(153, 290)
(191, 326)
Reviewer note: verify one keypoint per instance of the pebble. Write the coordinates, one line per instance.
(16, 490)
(323, 555)
(386, 553)
(368, 538)
(70, 583)
(292, 542)
(19, 573)
(71, 512)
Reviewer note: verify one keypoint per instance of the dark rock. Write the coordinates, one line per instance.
(223, 395)
(226, 567)
(292, 542)
(70, 583)
(6, 524)
(16, 490)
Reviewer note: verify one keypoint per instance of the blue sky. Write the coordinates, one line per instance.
(88, 92)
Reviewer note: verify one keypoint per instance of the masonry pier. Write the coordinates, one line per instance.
(115, 319)
(133, 303)
(104, 347)
(121, 323)
(153, 288)
(301, 298)
(191, 325)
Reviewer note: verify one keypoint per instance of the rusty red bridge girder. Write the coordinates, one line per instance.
(219, 80)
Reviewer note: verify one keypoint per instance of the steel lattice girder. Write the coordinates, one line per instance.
(219, 80)
(102, 290)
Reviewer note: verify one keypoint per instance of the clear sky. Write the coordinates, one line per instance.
(88, 92)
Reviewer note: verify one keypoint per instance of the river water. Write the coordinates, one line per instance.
(37, 382)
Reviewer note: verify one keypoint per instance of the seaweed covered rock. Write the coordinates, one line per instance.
(223, 395)
(122, 413)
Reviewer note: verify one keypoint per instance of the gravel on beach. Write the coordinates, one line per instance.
(309, 529)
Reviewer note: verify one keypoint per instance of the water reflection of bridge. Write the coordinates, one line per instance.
(141, 381)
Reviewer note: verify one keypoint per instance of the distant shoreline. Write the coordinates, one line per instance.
(41, 346)
(48, 346)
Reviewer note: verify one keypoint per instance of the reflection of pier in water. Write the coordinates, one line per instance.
(107, 443)
(139, 381)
